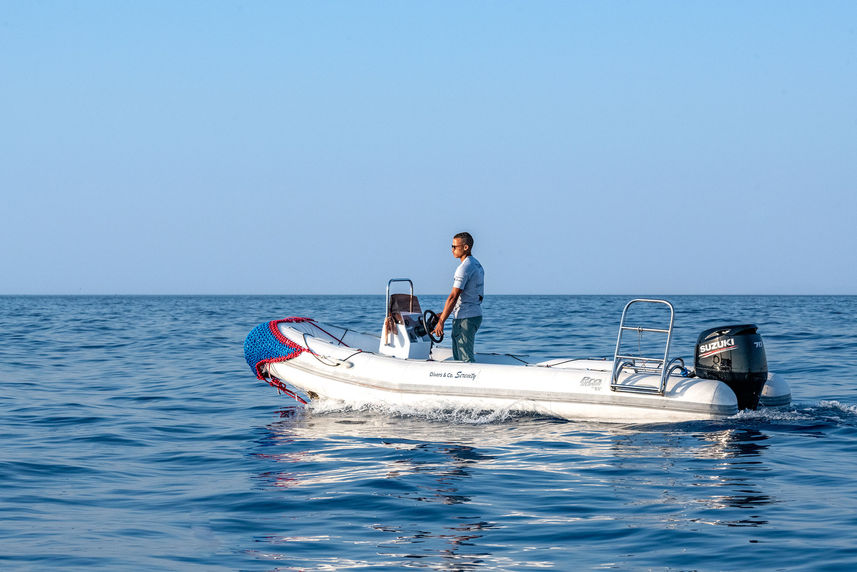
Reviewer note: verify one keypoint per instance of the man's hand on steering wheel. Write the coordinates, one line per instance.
(436, 332)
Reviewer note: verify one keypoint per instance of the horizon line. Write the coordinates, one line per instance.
(381, 294)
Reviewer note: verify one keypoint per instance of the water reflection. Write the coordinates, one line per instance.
(406, 489)
(737, 454)
(736, 442)
(412, 462)
(459, 539)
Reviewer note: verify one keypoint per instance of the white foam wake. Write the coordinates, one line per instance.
(463, 416)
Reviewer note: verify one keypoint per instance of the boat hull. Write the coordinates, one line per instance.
(713, 400)
(338, 364)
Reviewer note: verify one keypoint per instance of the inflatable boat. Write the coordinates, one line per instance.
(403, 367)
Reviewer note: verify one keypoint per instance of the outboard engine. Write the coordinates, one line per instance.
(736, 356)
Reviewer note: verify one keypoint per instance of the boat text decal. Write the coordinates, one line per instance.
(451, 375)
(593, 382)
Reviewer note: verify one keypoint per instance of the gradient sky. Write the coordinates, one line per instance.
(183, 147)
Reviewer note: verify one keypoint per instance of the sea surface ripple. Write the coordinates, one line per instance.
(136, 438)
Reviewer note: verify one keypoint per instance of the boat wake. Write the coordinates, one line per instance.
(824, 412)
(463, 416)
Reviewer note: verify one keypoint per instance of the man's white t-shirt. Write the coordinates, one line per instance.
(470, 278)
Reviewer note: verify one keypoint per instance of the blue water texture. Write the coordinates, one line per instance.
(134, 437)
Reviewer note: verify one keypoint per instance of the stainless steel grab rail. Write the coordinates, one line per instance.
(642, 364)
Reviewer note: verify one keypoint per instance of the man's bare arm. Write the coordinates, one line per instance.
(447, 310)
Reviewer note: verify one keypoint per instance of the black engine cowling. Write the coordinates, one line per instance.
(736, 356)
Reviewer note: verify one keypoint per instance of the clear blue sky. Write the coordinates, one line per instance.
(323, 147)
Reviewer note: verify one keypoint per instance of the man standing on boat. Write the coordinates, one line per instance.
(465, 300)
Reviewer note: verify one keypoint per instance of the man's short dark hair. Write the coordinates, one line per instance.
(465, 236)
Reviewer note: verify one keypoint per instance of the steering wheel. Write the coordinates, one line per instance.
(431, 319)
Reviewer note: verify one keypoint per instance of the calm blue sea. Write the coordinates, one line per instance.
(135, 437)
